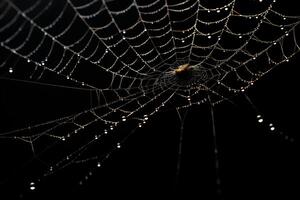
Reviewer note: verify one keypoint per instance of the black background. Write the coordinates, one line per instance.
(254, 162)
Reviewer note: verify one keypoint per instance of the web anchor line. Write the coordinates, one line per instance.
(181, 118)
(270, 126)
(216, 149)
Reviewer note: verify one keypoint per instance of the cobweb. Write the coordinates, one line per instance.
(135, 58)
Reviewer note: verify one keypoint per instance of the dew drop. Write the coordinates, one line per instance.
(118, 145)
(258, 116)
(32, 186)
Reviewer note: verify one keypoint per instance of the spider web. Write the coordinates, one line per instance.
(125, 55)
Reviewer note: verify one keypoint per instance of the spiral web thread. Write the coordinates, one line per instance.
(125, 54)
